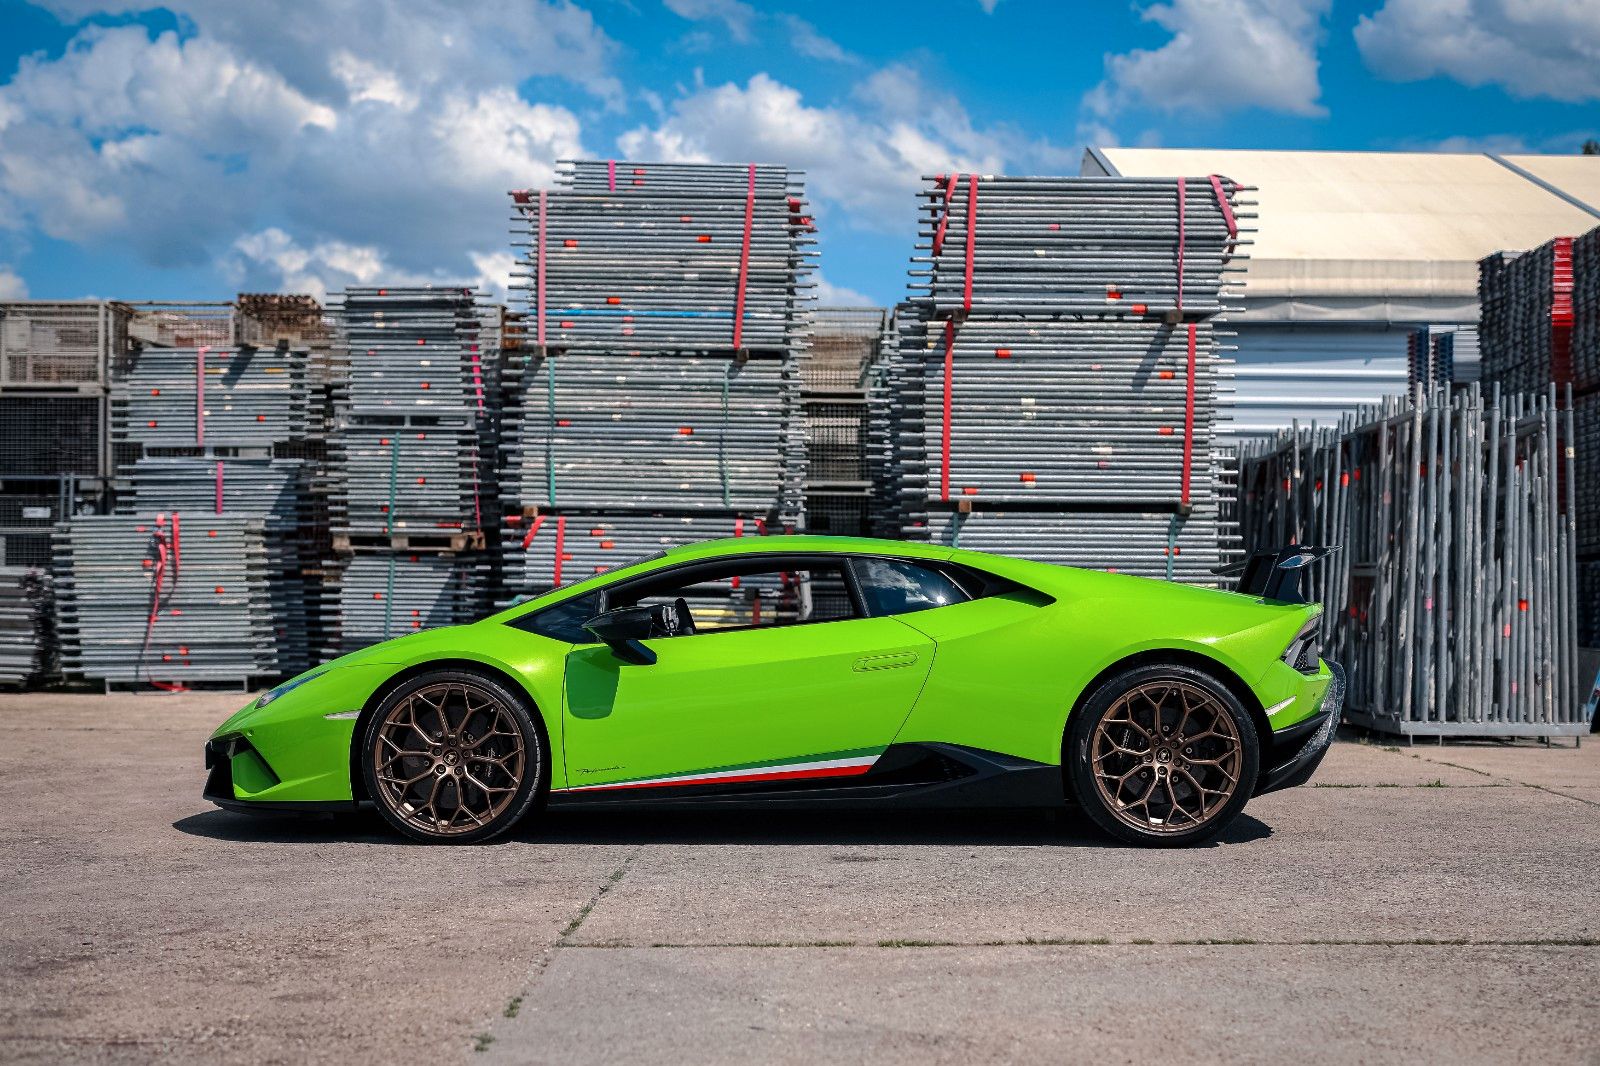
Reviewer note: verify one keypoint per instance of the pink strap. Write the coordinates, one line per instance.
(744, 260)
(177, 549)
(944, 432)
(1188, 420)
(533, 528)
(1227, 208)
(972, 235)
(561, 545)
(611, 174)
(200, 396)
(219, 486)
(539, 308)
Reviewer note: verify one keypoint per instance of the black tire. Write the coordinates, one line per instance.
(480, 788)
(1182, 782)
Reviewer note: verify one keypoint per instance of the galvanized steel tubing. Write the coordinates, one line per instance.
(667, 308)
(1453, 600)
(28, 652)
(168, 599)
(1055, 387)
(377, 595)
(210, 397)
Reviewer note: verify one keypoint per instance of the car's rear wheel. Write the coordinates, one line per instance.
(453, 757)
(1162, 755)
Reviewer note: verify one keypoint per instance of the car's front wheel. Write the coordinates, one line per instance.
(453, 757)
(1162, 755)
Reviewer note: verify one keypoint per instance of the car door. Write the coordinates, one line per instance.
(784, 679)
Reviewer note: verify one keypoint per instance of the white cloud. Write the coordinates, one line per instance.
(1223, 55)
(734, 14)
(273, 257)
(12, 287)
(805, 39)
(180, 149)
(988, 6)
(867, 159)
(1532, 48)
(831, 295)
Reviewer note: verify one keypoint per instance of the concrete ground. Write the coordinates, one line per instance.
(1424, 903)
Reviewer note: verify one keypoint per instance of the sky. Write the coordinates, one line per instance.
(201, 148)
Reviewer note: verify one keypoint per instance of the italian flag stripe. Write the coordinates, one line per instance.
(849, 766)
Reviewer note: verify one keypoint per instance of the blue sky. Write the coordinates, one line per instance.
(196, 149)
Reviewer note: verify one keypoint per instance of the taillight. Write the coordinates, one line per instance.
(1304, 652)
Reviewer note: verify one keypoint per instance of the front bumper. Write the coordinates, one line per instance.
(1298, 750)
(230, 756)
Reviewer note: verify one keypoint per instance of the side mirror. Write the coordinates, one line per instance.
(622, 629)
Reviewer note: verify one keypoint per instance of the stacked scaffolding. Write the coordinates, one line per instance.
(1541, 327)
(1058, 371)
(169, 600)
(28, 653)
(1452, 603)
(196, 431)
(407, 480)
(1438, 355)
(654, 399)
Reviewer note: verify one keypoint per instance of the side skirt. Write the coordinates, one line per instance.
(948, 776)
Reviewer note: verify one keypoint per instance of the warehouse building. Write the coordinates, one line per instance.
(1356, 250)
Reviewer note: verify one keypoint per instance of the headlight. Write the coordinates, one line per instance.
(287, 687)
(1304, 652)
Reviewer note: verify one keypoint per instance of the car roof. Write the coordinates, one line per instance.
(806, 542)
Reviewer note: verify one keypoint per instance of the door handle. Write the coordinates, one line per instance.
(885, 662)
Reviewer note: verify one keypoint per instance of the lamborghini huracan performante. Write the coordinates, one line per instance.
(810, 671)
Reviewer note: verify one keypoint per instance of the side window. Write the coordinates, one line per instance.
(749, 594)
(892, 586)
(563, 621)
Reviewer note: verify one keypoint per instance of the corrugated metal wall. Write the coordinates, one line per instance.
(1313, 373)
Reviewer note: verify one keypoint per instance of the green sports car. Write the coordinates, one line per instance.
(812, 671)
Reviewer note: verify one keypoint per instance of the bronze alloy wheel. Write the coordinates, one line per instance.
(449, 759)
(1166, 757)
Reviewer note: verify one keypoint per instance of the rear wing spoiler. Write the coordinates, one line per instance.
(1275, 575)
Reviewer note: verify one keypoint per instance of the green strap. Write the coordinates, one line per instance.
(550, 428)
(722, 454)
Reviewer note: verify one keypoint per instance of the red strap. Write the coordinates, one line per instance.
(1561, 318)
(533, 528)
(1227, 208)
(219, 486)
(561, 545)
(738, 531)
(972, 234)
(1182, 196)
(200, 396)
(755, 610)
(744, 260)
(177, 549)
(611, 173)
(539, 306)
(944, 219)
(944, 432)
(1188, 419)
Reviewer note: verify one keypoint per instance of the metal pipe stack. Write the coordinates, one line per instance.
(196, 429)
(1452, 601)
(28, 653)
(1439, 354)
(654, 394)
(168, 600)
(845, 342)
(408, 483)
(1055, 389)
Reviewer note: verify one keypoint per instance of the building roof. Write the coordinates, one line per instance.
(1370, 232)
